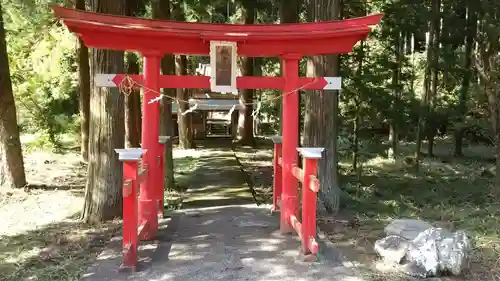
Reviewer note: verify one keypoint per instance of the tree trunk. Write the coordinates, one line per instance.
(132, 107)
(183, 115)
(84, 93)
(470, 32)
(494, 107)
(396, 73)
(355, 149)
(424, 104)
(11, 157)
(161, 10)
(103, 192)
(436, 22)
(245, 120)
(257, 71)
(495, 115)
(322, 109)
(289, 13)
(486, 61)
(133, 112)
(357, 106)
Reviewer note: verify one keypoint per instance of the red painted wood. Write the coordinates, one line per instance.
(115, 32)
(198, 28)
(314, 186)
(148, 218)
(277, 179)
(296, 225)
(161, 181)
(308, 205)
(142, 231)
(313, 246)
(143, 172)
(150, 190)
(130, 214)
(289, 199)
(178, 45)
(129, 256)
(298, 173)
(203, 82)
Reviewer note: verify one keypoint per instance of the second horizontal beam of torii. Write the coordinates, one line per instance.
(203, 82)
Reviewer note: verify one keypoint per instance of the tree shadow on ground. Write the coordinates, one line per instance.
(194, 250)
(450, 194)
(58, 251)
(223, 243)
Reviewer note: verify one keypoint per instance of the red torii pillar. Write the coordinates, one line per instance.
(152, 188)
(290, 119)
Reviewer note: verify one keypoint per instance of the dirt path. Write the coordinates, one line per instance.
(41, 237)
(220, 234)
(217, 181)
(55, 192)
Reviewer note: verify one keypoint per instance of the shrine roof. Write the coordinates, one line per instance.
(146, 35)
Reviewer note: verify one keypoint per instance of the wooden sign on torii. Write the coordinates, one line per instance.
(223, 42)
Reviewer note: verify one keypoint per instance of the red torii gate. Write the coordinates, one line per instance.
(155, 38)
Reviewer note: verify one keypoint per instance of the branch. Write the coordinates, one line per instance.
(480, 69)
(193, 108)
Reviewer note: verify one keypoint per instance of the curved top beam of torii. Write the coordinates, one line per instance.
(170, 37)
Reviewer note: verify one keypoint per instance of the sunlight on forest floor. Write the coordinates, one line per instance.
(454, 194)
(41, 237)
(448, 192)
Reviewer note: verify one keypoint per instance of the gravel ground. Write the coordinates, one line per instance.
(55, 193)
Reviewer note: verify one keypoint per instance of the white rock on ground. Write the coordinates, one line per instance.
(429, 250)
(407, 228)
(453, 252)
(392, 248)
(423, 254)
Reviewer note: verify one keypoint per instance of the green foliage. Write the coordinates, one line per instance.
(44, 72)
(43, 69)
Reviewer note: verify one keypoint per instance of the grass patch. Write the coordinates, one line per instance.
(183, 166)
(448, 192)
(454, 193)
(257, 163)
(211, 176)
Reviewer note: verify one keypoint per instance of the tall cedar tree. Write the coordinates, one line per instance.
(103, 192)
(181, 65)
(133, 121)
(322, 109)
(245, 120)
(11, 157)
(84, 90)
(161, 10)
(470, 31)
(431, 126)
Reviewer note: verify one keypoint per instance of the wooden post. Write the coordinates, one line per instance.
(311, 156)
(161, 203)
(130, 158)
(148, 207)
(289, 199)
(277, 178)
